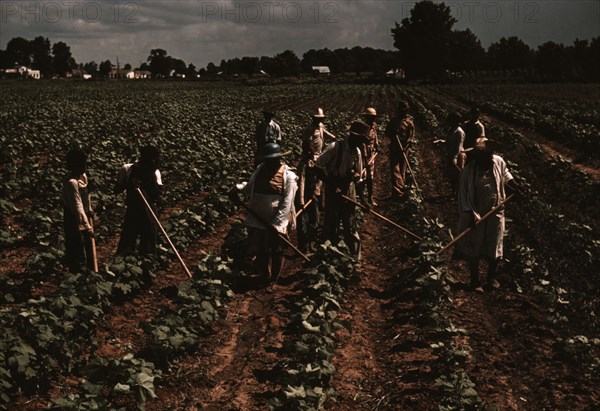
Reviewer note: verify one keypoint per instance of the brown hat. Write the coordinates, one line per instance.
(359, 129)
(319, 113)
(370, 112)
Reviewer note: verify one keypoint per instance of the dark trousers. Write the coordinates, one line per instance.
(338, 210)
(78, 246)
(308, 221)
(137, 224)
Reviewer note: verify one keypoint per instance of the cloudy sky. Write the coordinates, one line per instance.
(199, 31)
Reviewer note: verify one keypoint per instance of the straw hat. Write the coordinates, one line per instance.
(370, 112)
(319, 113)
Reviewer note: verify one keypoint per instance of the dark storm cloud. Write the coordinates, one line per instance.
(203, 31)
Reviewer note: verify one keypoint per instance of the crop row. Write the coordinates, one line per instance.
(553, 240)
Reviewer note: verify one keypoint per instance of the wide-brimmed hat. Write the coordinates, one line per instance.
(270, 150)
(370, 112)
(359, 129)
(270, 113)
(319, 113)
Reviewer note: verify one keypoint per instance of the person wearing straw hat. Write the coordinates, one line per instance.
(77, 213)
(369, 150)
(309, 186)
(401, 133)
(340, 166)
(271, 191)
(482, 187)
(138, 222)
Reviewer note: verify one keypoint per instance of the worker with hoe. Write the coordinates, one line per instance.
(139, 223)
(309, 186)
(401, 133)
(271, 191)
(369, 151)
(481, 190)
(267, 131)
(77, 213)
(340, 167)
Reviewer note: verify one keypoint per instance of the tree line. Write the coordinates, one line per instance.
(427, 46)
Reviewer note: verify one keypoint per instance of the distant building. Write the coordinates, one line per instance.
(119, 73)
(87, 76)
(396, 73)
(26, 72)
(321, 70)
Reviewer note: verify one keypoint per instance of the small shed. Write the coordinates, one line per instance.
(321, 70)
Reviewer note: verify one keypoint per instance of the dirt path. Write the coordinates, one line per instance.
(365, 378)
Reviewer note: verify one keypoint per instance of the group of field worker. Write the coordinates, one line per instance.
(139, 231)
(331, 175)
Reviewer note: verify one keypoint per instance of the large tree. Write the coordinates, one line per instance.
(62, 60)
(105, 68)
(160, 62)
(424, 39)
(286, 64)
(466, 51)
(19, 51)
(40, 53)
(509, 54)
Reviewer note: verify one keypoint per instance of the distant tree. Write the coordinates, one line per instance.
(144, 67)
(19, 50)
(62, 60)
(591, 62)
(267, 64)
(191, 71)
(286, 64)
(466, 51)
(91, 68)
(551, 60)
(202, 72)
(211, 69)
(40, 53)
(509, 54)
(249, 65)
(105, 68)
(160, 63)
(6, 60)
(127, 66)
(322, 57)
(423, 39)
(177, 65)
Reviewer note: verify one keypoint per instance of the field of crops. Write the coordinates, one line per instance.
(397, 331)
